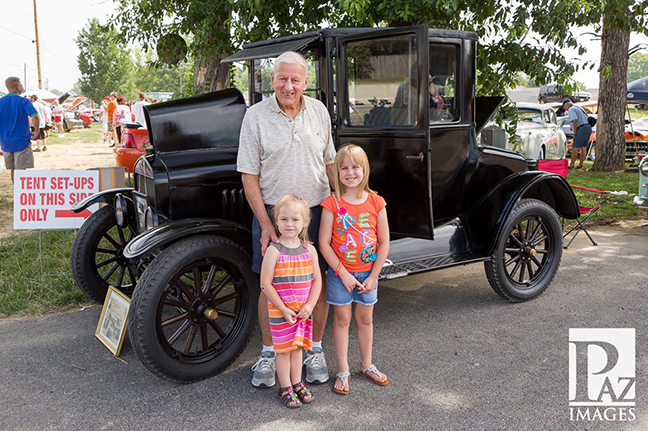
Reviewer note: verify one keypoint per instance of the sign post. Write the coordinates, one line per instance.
(44, 199)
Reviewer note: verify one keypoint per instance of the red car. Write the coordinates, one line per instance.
(134, 140)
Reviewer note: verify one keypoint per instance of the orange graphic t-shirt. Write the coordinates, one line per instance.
(354, 238)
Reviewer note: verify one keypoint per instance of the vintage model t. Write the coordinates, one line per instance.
(179, 242)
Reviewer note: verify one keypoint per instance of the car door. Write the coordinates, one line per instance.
(383, 106)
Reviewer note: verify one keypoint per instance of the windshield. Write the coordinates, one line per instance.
(530, 115)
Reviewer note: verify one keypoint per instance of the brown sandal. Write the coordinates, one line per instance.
(344, 378)
(289, 398)
(304, 394)
(374, 371)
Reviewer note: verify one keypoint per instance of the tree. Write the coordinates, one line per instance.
(208, 25)
(104, 63)
(150, 75)
(204, 23)
(620, 17)
(637, 66)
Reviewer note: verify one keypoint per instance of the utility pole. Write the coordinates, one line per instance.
(40, 81)
(25, 75)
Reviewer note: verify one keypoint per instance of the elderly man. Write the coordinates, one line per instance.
(582, 131)
(286, 147)
(15, 112)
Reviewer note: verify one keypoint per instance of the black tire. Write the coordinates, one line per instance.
(532, 224)
(168, 325)
(541, 154)
(97, 256)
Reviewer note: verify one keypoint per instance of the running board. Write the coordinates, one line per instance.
(404, 268)
(410, 255)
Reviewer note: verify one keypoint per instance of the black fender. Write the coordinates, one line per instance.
(106, 196)
(486, 219)
(168, 233)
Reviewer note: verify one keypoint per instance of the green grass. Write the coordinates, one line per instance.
(612, 207)
(91, 134)
(23, 289)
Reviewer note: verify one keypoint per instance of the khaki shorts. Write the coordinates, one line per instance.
(110, 125)
(19, 159)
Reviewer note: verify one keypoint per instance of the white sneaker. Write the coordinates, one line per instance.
(61, 135)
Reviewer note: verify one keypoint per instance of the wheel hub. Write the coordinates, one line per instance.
(203, 309)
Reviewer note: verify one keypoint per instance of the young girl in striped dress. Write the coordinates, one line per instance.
(291, 280)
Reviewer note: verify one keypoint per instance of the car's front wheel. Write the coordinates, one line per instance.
(527, 254)
(194, 308)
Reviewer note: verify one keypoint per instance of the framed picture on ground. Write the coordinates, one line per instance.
(111, 329)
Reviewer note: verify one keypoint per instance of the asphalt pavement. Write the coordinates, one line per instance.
(458, 357)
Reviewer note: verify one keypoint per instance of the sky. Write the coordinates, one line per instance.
(59, 23)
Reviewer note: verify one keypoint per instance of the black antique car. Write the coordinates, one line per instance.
(180, 241)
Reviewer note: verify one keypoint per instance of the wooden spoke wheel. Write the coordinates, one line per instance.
(194, 308)
(527, 254)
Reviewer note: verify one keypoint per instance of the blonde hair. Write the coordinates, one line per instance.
(298, 201)
(359, 157)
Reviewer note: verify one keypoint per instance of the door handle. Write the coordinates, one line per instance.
(420, 157)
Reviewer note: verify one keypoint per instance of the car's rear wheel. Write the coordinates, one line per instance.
(97, 257)
(527, 254)
(194, 308)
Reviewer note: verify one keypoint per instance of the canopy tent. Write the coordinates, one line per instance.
(44, 95)
(638, 91)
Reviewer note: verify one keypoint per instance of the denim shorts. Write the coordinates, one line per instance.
(336, 293)
(313, 234)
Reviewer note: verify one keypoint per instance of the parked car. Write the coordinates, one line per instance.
(538, 132)
(641, 199)
(180, 240)
(134, 141)
(556, 93)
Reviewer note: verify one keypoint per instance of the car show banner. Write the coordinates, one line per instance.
(44, 199)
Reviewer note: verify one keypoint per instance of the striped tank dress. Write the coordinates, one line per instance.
(293, 277)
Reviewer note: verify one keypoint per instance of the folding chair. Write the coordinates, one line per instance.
(560, 167)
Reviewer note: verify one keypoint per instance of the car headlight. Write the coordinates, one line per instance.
(121, 211)
(150, 218)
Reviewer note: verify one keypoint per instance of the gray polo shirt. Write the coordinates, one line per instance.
(289, 156)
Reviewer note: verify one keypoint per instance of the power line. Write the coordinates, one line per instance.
(44, 47)
(18, 34)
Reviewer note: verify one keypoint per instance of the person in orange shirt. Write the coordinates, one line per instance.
(354, 240)
(111, 109)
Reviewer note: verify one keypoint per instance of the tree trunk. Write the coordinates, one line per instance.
(210, 74)
(610, 125)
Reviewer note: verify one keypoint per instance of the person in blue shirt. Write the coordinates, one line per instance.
(582, 131)
(15, 136)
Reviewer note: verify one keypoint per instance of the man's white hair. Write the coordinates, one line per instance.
(290, 57)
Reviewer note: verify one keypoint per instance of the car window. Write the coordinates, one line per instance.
(546, 116)
(382, 74)
(443, 83)
(552, 117)
(263, 69)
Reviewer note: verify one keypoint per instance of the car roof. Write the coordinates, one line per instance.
(527, 105)
(295, 42)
